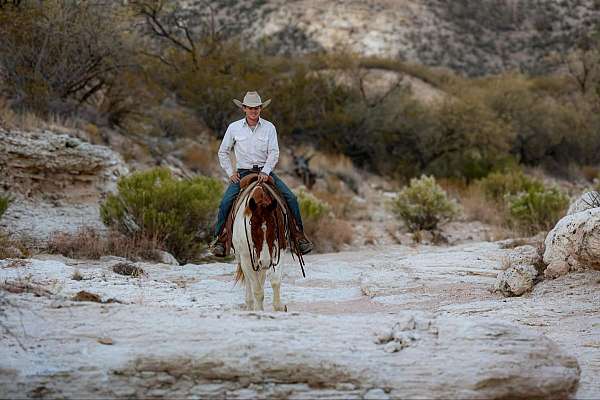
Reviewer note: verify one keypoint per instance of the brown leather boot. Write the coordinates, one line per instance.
(217, 248)
(304, 245)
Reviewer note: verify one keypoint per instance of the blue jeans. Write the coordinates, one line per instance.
(233, 190)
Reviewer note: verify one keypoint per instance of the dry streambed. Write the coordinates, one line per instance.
(386, 323)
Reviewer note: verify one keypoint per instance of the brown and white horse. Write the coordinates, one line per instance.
(257, 240)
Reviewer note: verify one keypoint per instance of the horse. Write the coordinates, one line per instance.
(258, 237)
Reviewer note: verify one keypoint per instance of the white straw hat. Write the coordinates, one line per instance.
(251, 99)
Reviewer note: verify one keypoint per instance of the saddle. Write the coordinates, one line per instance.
(287, 228)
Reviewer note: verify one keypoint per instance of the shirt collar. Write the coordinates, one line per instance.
(257, 124)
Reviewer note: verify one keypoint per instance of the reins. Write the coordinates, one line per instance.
(287, 230)
(250, 249)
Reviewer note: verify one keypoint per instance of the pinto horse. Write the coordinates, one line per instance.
(258, 237)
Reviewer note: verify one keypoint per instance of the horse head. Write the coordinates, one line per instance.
(262, 211)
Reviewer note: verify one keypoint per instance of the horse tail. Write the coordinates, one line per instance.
(239, 275)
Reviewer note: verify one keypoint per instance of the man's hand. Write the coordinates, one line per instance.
(262, 177)
(235, 178)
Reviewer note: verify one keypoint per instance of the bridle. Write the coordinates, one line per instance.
(255, 266)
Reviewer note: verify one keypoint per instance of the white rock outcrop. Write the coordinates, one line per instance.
(49, 165)
(158, 353)
(574, 243)
(57, 181)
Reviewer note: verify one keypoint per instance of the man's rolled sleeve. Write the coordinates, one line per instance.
(225, 150)
(272, 152)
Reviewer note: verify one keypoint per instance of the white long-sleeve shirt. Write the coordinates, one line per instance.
(251, 148)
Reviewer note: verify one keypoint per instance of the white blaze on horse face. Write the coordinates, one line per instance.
(264, 259)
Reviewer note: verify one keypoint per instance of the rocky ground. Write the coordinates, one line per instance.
(385, 322)
(385, 318)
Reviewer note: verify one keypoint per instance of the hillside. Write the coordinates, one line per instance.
(471, 37)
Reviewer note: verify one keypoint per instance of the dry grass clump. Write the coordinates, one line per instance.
(88, 243)
(11, 247)
(25, 285)
(342, 206)
(477, 207)
(330, 235)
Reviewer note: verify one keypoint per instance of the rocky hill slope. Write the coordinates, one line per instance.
(472, 37)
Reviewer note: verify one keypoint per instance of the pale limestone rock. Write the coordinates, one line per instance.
(516, 280)
(167, 258)
(523, 255)
(47, 164)
(585, 202)
(556, 269)
(263, 355)
(57, 181)
(575, 240)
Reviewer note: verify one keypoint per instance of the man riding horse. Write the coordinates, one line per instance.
(254, 141)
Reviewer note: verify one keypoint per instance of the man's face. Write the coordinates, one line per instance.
(252, 113)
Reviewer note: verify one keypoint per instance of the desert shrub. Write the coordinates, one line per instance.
(311, 208)
(424, 204)
(153, 204)
(5, 201)
(536, 209)
(497, 185)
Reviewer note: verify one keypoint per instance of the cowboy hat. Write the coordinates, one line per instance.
(251, 99)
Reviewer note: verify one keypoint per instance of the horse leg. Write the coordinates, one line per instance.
(259, 295)
(259, 290)
(276, 285)
(249, 296)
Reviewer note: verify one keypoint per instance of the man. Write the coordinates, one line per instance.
(254, 141)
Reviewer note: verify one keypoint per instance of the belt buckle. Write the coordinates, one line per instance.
(255, 168)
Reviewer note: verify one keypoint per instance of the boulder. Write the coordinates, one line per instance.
(575, 240)
(516, 280)
(166, 258)
(521, 273)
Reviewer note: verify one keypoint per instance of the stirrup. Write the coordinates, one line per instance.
(305, 246)
(217, 249)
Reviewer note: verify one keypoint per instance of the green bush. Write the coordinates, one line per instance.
(499, 184)
(153, 204)
(5, 201)
(311, 208)
(424, 204)
(536, 209)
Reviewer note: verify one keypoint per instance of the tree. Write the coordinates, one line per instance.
(57, 51)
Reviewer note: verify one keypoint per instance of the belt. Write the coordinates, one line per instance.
(255, 168)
